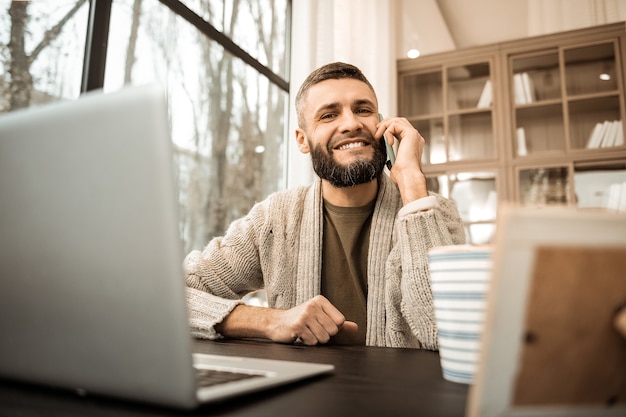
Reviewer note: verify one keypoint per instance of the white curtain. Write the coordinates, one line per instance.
(551, 16)
(359, 32)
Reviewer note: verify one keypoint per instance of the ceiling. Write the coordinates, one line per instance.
(481, 22)
(441, 25)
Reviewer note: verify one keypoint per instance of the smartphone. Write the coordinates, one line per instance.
(391, 155)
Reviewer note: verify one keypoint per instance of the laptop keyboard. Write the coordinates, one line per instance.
(210, 377)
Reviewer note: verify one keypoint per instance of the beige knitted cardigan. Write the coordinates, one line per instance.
(277, 246)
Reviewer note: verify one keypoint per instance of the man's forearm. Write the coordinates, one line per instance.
(247, 321)
(314, 321)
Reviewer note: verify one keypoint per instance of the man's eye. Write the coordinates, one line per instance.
(364, 111)
(327, 116)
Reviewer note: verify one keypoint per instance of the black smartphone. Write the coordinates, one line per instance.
(391, 155)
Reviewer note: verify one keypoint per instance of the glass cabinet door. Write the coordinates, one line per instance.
(586, 115)
(595, 185)
(452, 109)
(593, 98)
(590, 69)
(475, 194)
(470, 137)
(435, 149)
(469, 103)
(469, 87)
(595, 123)
(422, 101)
(535, 86)
(544, 186)
(423, 94)
(601, 185)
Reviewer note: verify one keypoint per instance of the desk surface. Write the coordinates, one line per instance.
(367, 381)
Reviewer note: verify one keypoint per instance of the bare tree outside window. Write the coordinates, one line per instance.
(228, 121)
(258, 26)
(40, 53)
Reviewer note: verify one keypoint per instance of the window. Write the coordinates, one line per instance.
(223, 64)
(42, 45)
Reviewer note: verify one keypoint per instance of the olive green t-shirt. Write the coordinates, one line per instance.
(344, 265)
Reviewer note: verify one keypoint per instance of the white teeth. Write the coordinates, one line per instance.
(351, 145)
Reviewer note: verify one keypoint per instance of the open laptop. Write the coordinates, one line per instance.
(549, 346)
(92, 293)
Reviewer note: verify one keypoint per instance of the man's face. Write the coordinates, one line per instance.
(340, 119)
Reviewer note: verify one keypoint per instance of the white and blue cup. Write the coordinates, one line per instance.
(460, 277)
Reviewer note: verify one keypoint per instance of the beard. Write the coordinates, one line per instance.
(360, 171)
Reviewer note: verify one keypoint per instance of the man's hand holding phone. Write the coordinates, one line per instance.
(405, 170)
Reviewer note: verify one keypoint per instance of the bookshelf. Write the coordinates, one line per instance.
(538, 121)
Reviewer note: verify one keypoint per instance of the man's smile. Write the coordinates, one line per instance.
(350, 145)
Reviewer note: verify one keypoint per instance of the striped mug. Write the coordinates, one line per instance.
(460, 278)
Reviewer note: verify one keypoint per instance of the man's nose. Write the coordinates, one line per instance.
(350, 122)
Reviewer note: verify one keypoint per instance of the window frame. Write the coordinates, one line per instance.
(98, 32)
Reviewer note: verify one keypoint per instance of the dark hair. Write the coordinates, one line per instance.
(333, 71)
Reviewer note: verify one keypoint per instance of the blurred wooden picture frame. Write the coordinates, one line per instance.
(549, 347)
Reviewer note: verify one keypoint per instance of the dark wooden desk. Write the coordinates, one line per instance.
(367, 381)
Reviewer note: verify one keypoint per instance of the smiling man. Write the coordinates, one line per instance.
(343, 260)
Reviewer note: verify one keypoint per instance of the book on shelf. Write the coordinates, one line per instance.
(529, 88)
(518, 89)
(619, 136)
(617, 197)
(523, 89)
(486, 96)
(596, 136)
(610, 135)
(606, 134)
(521, 142)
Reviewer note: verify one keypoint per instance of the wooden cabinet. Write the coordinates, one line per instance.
(537, 121)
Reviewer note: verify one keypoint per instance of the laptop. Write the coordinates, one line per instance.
(549, 346)
(92, 292)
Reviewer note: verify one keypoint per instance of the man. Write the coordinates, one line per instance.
(343, 260)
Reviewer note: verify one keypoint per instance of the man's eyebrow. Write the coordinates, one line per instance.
(336, 105)
(363, 101)
(326, 107)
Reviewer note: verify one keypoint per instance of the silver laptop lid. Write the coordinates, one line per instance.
(89, 243)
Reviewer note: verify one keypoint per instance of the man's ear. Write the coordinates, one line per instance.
(303, 144)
